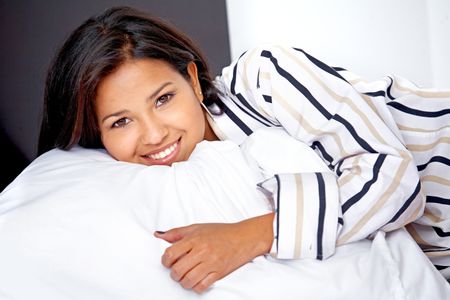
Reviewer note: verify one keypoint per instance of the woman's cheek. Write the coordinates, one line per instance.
(108, 143)
(119, 144)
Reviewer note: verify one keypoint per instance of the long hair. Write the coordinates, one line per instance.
(93, 51)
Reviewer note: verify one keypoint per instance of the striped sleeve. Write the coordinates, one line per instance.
(422, 118)
(374, 184)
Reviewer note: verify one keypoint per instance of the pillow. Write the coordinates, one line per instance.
(79, 225)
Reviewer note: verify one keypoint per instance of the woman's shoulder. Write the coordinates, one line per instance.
(266, 47)
(253, 59)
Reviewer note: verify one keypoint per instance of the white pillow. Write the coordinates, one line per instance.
(79, 225)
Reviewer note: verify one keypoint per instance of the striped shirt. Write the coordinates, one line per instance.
(386, 142)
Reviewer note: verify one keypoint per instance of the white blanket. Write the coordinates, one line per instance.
(79, 225)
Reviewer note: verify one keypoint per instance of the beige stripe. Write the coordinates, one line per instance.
(435, 179)
(305, 124)
(299, 225)
(370, 103)
(437, 253)
(247, 61)
(338, 98)
(436, 219)
(264, 75)
(415, 215)
(416, 236)
(427, 147)
(356, 171)
(357, 80)
(381, 201)
(406, 128)
(422, 93)
(418, 92)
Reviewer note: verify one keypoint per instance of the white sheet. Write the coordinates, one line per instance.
(78, 225)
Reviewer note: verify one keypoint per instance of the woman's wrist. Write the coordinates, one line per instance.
(261, 233)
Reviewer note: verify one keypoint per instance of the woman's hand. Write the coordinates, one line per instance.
(201, 254)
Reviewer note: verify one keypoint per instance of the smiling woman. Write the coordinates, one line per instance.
(97, 49)
(127, 82)
(136, 86)
(148, 113)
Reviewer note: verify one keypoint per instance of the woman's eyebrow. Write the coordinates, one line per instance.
(116, 114)
(155, 93)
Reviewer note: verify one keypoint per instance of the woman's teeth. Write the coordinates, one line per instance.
(163, 153)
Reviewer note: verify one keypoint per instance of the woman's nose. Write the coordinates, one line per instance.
(153, 132)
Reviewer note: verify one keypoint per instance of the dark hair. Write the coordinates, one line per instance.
(93, 51)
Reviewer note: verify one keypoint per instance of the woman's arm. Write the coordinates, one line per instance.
(375, 184)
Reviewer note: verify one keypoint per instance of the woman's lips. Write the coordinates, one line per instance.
(164, 156)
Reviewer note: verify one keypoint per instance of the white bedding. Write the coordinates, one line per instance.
(79, 225)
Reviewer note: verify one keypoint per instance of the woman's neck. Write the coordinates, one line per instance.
(210, 135)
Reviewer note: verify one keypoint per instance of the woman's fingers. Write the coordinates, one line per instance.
(173, 253)
(204, 253)
(180, 246)
(194, 276)
(206, 282)
(185, 264)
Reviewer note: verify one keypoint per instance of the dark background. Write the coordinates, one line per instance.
(31, 32)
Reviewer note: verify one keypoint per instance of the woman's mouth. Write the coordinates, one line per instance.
(165, 156)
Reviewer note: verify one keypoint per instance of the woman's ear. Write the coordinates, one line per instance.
(195, 82)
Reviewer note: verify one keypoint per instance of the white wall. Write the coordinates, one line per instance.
(410, 38)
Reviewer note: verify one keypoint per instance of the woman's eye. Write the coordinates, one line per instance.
(120, 123)
(163, 99)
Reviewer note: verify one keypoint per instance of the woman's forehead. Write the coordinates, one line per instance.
(135, 72)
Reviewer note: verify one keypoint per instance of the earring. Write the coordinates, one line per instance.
(206, 109)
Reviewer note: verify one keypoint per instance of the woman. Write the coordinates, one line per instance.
(140, 89)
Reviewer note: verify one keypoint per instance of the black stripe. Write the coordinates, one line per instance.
(323, 152)
(322, 65)
(338, 168)
(322, 208)
(257, 79)
(297, 84)
(441, 267)
(439, 159)
(233, 80)
(376, 94)
(435, 199)
(267, 98)
(244, 101)
(367, 185)
(406, 204)
(417, 112)
(436, 250)
(341, 221)
(339, 69)
(388, 90)
(316, 103)
(248, 106)
(237, 121)
(440, 232)
(355, 135)
(278, 208)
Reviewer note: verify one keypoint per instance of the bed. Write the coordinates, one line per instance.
(79, 225)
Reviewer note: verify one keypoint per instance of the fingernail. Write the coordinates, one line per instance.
(160, 232)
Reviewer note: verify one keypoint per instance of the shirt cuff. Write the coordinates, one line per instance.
(307, 211)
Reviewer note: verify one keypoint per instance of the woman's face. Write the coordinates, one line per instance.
(148, 113)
